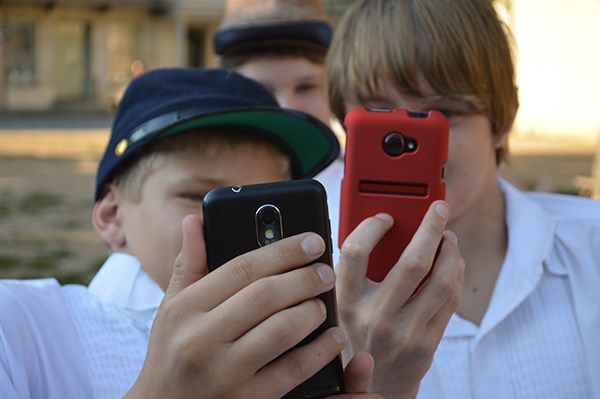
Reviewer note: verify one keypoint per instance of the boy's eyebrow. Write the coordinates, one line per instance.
(309, 76)
(210, 180)
(204, 180)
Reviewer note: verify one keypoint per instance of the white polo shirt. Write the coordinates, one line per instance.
(540, 337)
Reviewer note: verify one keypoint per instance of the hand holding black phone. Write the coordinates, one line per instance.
(243, 218)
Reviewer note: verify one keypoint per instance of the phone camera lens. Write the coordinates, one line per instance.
(268, 225)
(395, 144)
(268, 216)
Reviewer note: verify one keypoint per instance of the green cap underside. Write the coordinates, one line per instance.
(305, 138)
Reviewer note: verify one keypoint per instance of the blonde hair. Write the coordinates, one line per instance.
(461, 48)
(212, 142)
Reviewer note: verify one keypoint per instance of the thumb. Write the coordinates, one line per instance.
(190, 264)
(358, 373)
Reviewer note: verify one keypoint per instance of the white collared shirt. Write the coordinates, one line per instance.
(74, 342)
(540, 336)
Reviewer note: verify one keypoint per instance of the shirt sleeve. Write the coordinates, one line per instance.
(40, 353)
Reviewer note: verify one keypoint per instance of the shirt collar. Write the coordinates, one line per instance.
(531, 231)
(530, 240)
(122, 282)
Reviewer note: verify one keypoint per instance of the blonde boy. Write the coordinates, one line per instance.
(527, 322)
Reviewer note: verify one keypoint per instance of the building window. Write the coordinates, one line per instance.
(19, 51)
(196, 39)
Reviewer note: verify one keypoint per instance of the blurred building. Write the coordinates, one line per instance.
(81, 53)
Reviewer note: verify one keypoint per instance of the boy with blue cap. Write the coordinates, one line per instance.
(153, 322)
(177, 134)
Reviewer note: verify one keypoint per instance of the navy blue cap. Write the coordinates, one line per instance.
(311, 35)
(163, 102)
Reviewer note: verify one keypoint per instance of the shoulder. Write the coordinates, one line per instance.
(39, 349)
(26, 295)
(568, 208)
(32, 305)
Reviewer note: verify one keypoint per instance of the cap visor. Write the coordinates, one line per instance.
(310, 143)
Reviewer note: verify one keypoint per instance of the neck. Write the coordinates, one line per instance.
(482, 239)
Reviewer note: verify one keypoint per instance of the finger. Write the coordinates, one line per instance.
(445, 283)
(278, 334)
(354, 253)
(297, 365)
(282, 256)
(358, 373)
(417, 259)
(190, 264)
(269, 295)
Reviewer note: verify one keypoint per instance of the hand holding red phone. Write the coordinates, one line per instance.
(399, 329)
(394, 164)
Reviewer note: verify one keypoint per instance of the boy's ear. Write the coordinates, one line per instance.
(106, 218)
(501, 140)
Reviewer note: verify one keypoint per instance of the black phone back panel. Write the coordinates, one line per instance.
(230, 230)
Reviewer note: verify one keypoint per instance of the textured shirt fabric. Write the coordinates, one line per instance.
(538, 339)
(540, 336)
(74, 341)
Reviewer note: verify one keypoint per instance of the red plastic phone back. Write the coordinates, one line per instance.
(403, 186)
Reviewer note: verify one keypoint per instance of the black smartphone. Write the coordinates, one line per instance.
(240, 219)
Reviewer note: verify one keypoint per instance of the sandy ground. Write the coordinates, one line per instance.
(47, 184)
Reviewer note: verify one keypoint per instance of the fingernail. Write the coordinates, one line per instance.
(442, 209)
(322, 307)
(312, 245)
(326, 274)
(463, 264)
(385, 217)
(451, 236)
(339, 335)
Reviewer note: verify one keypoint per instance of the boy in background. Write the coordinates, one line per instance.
(283, 44)
(528, 318)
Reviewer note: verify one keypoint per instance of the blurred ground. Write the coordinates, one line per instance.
(47, 167)
(46, 195)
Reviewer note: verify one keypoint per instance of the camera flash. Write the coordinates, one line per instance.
(269, 234)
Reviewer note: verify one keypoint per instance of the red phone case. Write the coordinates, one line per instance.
(402, 184)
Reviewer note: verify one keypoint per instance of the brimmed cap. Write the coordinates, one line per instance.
(163, 102)
(257, 24)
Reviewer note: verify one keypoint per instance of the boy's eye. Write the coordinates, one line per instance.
(306, 87)
(195, 196)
